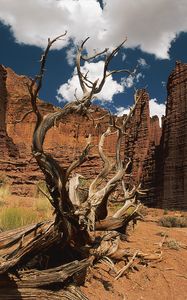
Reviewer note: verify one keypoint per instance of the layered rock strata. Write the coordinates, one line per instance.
(141, 144)
(174, 142)
(66, 140)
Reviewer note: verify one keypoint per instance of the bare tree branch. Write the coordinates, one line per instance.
(107, 165)
(87, 58)
(96, 86)
(80, 160)
(24, 116)
(107, 61)
(119, 71)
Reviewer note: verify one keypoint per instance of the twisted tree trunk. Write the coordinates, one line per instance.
(58, 252)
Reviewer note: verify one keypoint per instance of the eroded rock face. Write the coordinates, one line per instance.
(66, 140)
(8, 148)
(174, 172)
(140, 144)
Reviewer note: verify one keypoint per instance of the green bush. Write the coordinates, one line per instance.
(172, 244)
(172, 221)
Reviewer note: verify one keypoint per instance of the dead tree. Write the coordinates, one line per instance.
(58, 252)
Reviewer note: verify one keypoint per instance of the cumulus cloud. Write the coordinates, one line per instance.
(32, 22)
(138, 20)
(157, 108)
(154, 107)
(120, 111)
(66, 91)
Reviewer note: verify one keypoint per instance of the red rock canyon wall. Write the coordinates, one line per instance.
(174, 142)
(160, 166)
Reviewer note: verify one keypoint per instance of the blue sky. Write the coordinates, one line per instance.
(156, 31)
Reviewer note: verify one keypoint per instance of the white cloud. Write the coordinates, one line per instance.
(131, 80)
(163, 83)
(139, 76)
(142, 62)
(157, 109)
(124, 56)
(154, 107)
(66, 91)
(128, 82)
(70, 55)
(32, 22)
(150, 25)
(122, 111)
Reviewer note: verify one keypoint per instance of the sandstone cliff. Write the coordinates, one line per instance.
(65, 141)
(68, 139)
(140, 144)
(174, 142)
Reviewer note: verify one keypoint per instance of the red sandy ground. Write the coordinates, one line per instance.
(163, 280)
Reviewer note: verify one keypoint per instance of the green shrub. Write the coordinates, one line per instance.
(172, 244)
(172, 221)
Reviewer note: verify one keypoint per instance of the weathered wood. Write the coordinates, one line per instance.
(70, 293)
(23, 246)
(10, 239)
(68, 237)
(36, 278)
(109, 223)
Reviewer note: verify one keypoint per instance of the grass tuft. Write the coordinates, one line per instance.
(19, 212)
(14, 217)
(172, 221)
(4, 188)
